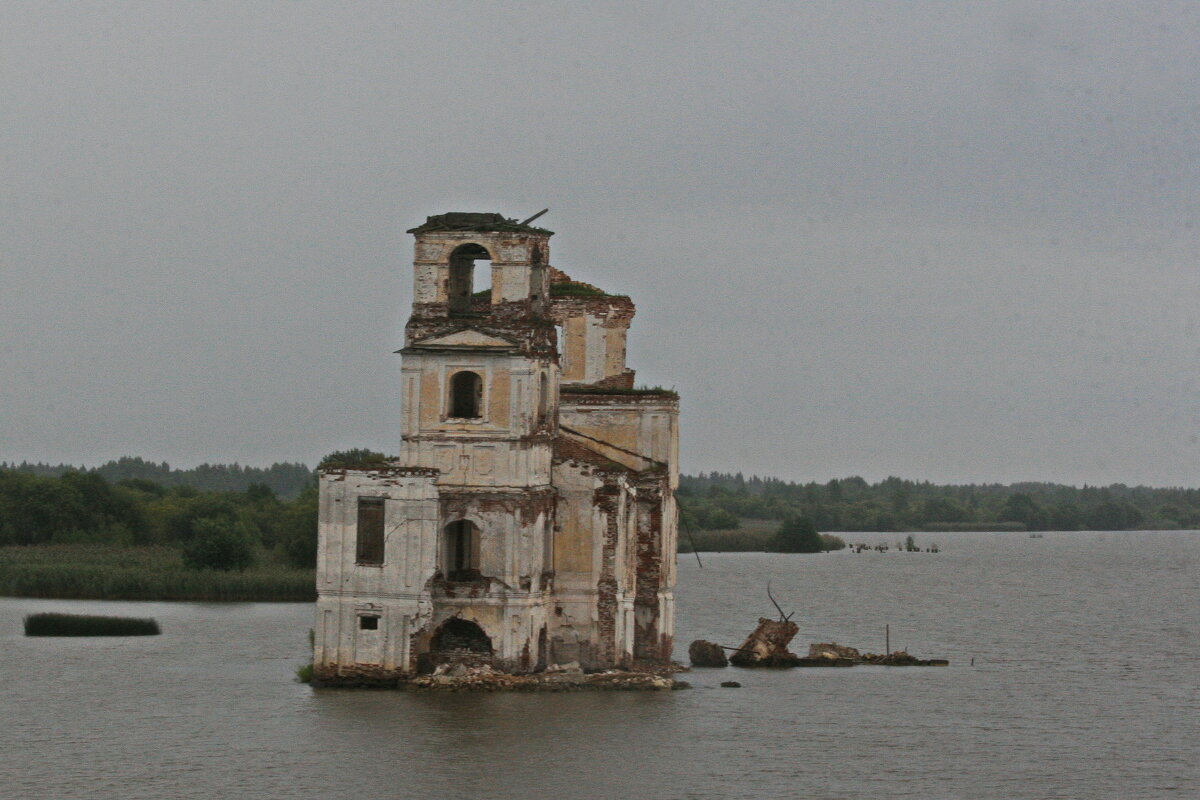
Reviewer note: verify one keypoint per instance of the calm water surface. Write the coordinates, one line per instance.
(1085, 684)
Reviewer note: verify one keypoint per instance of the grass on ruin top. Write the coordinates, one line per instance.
(577, 289)
(54, 624)
(646, 391)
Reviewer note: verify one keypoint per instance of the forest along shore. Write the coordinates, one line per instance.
(138, 530)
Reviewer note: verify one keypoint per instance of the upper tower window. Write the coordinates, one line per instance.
(466, 395)
(461, 286)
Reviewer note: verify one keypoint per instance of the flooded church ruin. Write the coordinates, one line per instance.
(530, 518)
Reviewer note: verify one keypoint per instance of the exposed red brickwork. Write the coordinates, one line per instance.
(607, 500)
(648, 642)
(526, 506)
(622, 381)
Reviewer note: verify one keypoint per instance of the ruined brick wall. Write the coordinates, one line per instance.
(651, 641)
(594, 339)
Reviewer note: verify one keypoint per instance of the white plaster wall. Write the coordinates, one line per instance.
(396, 590)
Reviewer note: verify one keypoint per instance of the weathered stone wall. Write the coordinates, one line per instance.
(594, 336)
(519, 260)
(575, 525)
(593, 619)
(393, 592)
(638, 427)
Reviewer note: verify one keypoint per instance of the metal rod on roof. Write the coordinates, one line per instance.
(535, 216)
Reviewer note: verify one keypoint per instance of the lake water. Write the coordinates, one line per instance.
(1085, 684)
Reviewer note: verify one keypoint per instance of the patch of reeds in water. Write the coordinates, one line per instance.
(51, 624)
(141, 573)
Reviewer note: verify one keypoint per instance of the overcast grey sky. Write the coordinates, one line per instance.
(946, 241)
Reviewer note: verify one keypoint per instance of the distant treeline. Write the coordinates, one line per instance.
(136, 502)
(83, 508)
(285, 479)
(717, 501)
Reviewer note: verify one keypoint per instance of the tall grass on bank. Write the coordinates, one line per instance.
(50, 624)
(105, 572)
(754, 536)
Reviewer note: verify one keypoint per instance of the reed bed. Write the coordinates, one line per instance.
(52, 624)
(754, 536)
(103, 572)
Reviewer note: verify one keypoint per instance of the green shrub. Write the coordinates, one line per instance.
(184, 516)
(797, 535)
(50, 624)
(219, 544)
(830, 542)
(296, 530)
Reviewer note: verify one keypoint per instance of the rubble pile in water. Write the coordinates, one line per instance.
(767, 646)
(557, 678)
(707, 654)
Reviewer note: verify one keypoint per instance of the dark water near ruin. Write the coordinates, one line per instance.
(1086, 684)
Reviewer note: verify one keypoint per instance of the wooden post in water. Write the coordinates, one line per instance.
(887, 634)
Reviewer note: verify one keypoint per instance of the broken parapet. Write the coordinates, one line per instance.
(707, 654)
(767, 645)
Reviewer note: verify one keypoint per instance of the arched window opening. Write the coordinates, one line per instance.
(466, 395)
(463, 288)
(462, 551)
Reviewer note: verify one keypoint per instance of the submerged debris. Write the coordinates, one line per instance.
(767, 645)
(707, 654)
(837, 655)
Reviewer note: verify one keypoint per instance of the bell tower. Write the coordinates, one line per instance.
(526, 521)
(480, 396)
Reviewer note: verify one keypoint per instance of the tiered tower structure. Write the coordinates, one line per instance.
(499, 534)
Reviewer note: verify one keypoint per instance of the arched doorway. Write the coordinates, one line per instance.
(460, 640)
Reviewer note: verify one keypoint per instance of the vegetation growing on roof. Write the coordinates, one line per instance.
(637, 392)
(575, 289)
(472, 221)
(355, 458)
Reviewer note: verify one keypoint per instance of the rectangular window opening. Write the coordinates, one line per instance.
(370, 531)
(368, 623)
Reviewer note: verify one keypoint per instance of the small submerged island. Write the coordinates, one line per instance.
(55, 624)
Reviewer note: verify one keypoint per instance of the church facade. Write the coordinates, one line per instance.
(530, 517)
